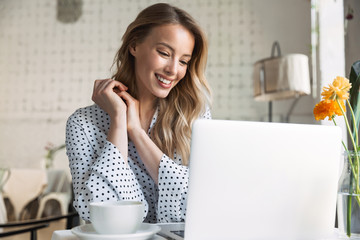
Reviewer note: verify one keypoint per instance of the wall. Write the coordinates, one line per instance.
(47, 68)
(352, 37)
(331, 49)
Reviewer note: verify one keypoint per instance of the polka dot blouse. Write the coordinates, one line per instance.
(100, 174)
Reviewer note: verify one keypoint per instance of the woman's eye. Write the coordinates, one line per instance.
(183, 62)
(163, 53)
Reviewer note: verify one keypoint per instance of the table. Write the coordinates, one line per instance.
(67, 235)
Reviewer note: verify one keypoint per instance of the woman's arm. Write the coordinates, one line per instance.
(149, 153)
(117, 134)
(99, 171)
(98, 157)
(106, 95)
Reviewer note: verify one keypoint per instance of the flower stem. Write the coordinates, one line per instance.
(348, 216)
(354, 167)
(348, 128)
(354, 122)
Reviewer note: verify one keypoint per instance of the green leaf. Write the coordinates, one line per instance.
(354, 92)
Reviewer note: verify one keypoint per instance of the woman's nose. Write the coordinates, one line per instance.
(171, 67)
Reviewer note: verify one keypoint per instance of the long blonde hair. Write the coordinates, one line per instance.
(188, 99)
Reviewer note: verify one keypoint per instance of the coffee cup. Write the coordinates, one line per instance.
(120, 217)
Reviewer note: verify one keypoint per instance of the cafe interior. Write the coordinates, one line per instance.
(51, 52)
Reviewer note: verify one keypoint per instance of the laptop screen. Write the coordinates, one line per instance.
(261, 180)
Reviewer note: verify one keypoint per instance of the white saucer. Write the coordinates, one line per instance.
(87, 232)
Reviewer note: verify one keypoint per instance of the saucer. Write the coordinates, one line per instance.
(87, 232)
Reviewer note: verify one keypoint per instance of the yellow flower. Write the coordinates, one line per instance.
(339, 89)
(328, 108)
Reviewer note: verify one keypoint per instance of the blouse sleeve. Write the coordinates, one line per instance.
(173, 184)
(99, 172)
(173, 187)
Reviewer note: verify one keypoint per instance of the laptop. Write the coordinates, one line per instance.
(257, 180)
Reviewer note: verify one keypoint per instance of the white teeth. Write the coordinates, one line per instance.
(163, 80)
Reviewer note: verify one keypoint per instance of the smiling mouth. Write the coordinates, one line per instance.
(163, 80)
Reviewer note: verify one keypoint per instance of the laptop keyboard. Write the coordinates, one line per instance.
(179, 233)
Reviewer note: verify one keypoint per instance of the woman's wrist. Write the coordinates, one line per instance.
(136, 133)
(117, 134)
(118, 118)
(150, 154)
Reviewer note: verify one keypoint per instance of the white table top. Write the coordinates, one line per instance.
(68, 235)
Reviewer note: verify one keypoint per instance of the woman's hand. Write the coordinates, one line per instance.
(106, 94)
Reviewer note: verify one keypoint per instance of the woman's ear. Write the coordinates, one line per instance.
(132, 49)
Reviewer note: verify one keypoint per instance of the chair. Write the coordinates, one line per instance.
(4, 176)
(58, 189)
(33, 225)
(3, 212)
(23, 186)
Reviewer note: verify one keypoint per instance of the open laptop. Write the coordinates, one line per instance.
(256, 180)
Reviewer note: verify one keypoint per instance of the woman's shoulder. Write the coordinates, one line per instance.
(89, 115)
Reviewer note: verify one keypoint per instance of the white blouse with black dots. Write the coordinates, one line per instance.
(99, 172)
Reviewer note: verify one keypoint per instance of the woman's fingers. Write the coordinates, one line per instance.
(103, 84)
(107, 87)
(120, 86)
(106, 96)
(127, 97)
(100, 86)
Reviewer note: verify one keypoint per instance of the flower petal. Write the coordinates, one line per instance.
(339, 89)
(328, 108)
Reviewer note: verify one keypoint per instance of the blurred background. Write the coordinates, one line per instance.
(52, 51)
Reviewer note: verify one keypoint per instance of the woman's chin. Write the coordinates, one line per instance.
(162, 94)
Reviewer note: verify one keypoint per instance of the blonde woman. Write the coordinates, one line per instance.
(134, 143)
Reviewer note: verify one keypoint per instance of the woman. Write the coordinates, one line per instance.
(134, 143)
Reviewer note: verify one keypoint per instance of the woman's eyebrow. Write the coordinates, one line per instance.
(172, 49)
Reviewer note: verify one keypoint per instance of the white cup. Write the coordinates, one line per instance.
(122, 217)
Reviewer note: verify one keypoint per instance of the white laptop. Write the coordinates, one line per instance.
(256, 180)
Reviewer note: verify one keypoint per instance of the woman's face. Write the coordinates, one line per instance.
(161, 59)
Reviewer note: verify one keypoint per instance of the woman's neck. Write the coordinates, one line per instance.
(147, 109)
